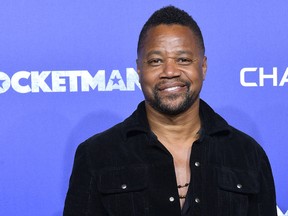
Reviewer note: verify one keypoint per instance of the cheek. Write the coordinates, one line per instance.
(145, 83)
(194, 76)
(147, 79)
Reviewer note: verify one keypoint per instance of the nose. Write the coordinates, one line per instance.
(170, 69)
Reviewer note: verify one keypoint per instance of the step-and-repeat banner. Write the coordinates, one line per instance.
(67, 71)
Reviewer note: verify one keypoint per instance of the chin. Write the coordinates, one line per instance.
(172, 107)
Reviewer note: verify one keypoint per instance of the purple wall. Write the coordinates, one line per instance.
(67, 71)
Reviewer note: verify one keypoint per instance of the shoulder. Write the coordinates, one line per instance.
(103, 140)
(239, 149)
(111, 134)
(223, 133)
(119, 133)
(97, 151)
(243, 140)
(107, 147)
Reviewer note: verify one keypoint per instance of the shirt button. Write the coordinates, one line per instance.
(239, 186)
(197, 200)
(123, 186)
(171, 199)
(197, 164)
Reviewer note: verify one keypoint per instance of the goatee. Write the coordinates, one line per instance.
(168, 108)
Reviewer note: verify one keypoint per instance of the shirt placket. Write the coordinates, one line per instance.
(195, 189)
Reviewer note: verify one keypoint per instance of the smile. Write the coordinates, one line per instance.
(170, 87)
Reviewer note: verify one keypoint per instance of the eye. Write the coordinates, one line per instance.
(184, 61)
(154, 62)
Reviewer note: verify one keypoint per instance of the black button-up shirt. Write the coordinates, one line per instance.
(126, 171)
(193, 194)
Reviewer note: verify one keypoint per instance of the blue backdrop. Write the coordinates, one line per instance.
(67, 71)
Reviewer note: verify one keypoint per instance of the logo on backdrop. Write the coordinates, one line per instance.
(258, 76)
(69, 81)
(280, 213)
(84, 81)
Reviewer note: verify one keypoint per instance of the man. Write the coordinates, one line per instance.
(174, 155)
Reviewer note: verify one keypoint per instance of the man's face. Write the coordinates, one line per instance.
(171, 68)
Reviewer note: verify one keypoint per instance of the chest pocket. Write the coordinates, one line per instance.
(236, 187)
(123, 190)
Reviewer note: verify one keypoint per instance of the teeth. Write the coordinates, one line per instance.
(172, 88)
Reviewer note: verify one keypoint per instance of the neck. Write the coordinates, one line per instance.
(182, 128)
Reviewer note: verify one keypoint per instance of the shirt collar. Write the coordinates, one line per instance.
(212, 123)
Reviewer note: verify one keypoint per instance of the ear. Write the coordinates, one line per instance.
(204, 67)
(138, 66)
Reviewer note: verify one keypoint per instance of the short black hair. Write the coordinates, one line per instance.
(171, 15)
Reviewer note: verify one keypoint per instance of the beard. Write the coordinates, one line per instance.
(168, 104)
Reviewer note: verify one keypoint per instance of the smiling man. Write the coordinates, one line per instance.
(174, 155)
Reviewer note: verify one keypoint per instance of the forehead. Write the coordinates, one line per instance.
(169, 38)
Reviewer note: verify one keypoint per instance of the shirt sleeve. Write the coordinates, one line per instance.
(267, 196)
(82, 198)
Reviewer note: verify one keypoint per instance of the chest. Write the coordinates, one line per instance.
(145, 182)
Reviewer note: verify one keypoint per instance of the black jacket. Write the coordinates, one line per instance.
(126, 171)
